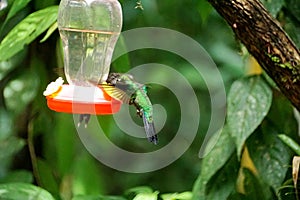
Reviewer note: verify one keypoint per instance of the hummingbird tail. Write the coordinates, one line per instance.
(150, 130)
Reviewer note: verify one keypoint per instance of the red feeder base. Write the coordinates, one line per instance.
(83, 100)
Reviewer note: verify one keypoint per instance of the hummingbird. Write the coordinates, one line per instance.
(127, 90)
(124, 88)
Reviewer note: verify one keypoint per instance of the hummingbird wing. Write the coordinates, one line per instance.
(116, 93)
(113, 91)
(150, 130)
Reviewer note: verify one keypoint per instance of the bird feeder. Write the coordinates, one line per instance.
(89, 30)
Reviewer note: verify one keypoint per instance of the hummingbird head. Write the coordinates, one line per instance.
(114, 78)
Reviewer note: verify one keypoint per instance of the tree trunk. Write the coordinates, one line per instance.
(266, 41)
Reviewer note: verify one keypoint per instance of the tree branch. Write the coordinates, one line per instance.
(266, 41)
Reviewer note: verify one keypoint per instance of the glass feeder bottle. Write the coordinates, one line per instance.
(89, 30)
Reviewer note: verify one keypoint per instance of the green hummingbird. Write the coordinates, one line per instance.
(124, 88)
(127, 90)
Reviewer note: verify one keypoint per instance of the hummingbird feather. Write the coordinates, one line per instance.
(150, 130)
(116, 93)
(136, 93)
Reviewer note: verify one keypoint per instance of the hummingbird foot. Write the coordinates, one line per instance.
(139, 112)
(85, 118)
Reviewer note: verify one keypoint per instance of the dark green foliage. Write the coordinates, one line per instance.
(213, 162)
(16, 191)
(42, 157)
(249, 100)
(269, 155)
(292, 19)
(27, 31)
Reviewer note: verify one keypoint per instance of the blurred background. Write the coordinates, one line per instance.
(40, 146)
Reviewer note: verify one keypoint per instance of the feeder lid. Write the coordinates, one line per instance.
(79, 99)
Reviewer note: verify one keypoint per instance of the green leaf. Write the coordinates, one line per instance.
(290, 143)
(270, 156)
(21, 91)
(287, 191)
(49, 32)
(214, 161)
(139, 189)
(223, 183)
(18, 176)
(6, 124)
(98, 197)
(249, 101)
(46, 177)
(18, 191)
(26, 31)
(254, 188)
(142, 193)
(282, 117)
(177, 196)
(146, 196)
(15, 8)
(9, 147)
